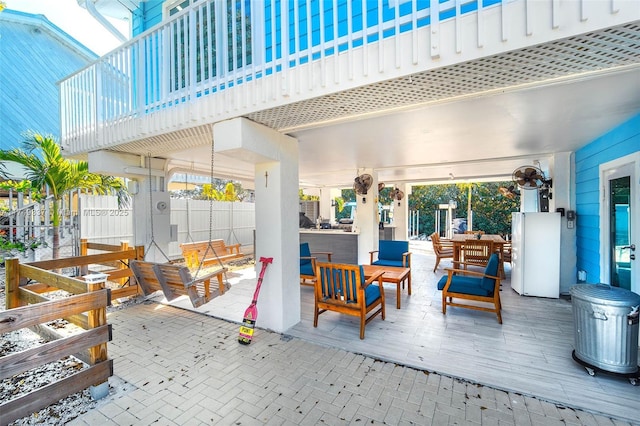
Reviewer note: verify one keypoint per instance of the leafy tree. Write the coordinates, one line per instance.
(304, 197)
(491, 211)
(217, 190)
(47, 168)
(227, 194)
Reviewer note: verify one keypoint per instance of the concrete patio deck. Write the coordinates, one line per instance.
(416, 367)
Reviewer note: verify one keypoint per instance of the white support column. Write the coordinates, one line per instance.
(150, 199)
(325, 204)
(333, 194)
(401, 214)
(561, 171)
(275, 157)
(367, 219)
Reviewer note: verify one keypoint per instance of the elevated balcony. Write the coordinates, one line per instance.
(160, 93)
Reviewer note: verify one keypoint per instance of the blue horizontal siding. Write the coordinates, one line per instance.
(620, 141)
(34, 56)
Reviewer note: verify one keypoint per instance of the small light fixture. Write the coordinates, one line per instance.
(451, 176)
(333, 203)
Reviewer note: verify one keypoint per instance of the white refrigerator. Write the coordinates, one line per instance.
(535, 254)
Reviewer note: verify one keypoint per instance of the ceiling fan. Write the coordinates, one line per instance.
(361, 185)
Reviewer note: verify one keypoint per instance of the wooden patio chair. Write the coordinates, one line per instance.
(391, 253)
(342, 288)
(476, 252)
(308, 263)
(473, 286)
(442, 249)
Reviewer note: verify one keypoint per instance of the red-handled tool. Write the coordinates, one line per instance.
(251, 314)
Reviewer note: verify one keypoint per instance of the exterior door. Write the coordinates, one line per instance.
(620, 232)
(621, 238)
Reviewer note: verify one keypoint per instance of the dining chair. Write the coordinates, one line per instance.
(442, 249)
(476, 252)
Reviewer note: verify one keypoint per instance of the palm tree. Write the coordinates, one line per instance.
(47, 168)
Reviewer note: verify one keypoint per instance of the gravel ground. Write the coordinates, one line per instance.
(74, 405)
(66, 409)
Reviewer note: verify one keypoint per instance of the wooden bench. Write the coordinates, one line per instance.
(176, 280)
(209, 252)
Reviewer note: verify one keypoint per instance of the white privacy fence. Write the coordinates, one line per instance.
(232, 222)
(100, 220)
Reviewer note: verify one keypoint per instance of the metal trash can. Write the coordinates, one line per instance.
(606, 327)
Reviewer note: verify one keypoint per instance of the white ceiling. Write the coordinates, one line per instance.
(476, 138)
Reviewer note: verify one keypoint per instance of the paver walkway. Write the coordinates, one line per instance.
(184, 368)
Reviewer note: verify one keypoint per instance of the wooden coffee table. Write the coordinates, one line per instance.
(392, 275)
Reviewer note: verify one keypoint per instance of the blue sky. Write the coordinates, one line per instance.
(75, 21)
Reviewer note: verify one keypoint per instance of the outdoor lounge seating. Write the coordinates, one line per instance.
(176, 280)
(308, 264)
(342, 288)
(392, 253)
(442, 250)
(209, 252)
(473, 286)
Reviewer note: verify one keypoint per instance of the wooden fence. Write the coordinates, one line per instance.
(28, 306)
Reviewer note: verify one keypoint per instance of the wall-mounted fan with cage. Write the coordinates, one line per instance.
(361, 185)
(397, 194)
(510, 192)
(530, 177)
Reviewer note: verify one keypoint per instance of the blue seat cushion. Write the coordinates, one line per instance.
(465, 285)
(387, 262)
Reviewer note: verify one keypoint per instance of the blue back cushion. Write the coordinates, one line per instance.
(491, 269)
(304, 252)
(392, 250)
(372, 292)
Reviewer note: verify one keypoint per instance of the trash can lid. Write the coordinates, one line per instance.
(604, 292)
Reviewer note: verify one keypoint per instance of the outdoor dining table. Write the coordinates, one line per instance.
(458, 242)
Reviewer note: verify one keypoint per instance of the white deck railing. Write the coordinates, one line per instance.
(185, 71)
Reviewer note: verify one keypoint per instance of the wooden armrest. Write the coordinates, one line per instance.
(326, 253)
(376, 275)
(209, 275)
(452, 271)
(406, 259)
(371, 255)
